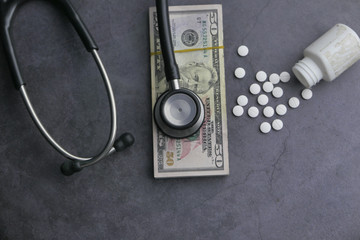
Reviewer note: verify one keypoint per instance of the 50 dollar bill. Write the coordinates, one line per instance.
(197, 34)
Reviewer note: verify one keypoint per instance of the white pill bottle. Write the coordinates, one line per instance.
(329, 56)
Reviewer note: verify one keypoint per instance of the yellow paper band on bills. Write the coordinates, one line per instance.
(190, 50)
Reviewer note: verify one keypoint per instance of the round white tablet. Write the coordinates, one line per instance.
(255, 88)
(238, 111)
(277, 124)
(253, 112)
(274, 78)
(240, 73)
(277, 92)
(281, 109)
(268, 112)
(268, 87)
(306, 94)
(242, 100)
(285, 77)
(243, 51)
(265, 127)
(261, 76)
(263, 100)
(294, 102)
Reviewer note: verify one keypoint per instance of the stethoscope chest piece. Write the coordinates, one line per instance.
(179, 113)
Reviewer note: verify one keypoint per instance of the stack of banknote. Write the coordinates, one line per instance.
(197, 34)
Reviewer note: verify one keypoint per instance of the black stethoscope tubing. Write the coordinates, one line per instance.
(8, 8)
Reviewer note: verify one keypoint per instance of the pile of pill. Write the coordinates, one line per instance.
(265, 87)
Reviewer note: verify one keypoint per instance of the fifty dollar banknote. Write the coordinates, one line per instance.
(197, 34)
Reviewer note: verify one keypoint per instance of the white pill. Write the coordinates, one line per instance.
(240, 73)
(238, 111)
(261, 76)
(306, 94)
(253, 112)
(268, 87)
(285, 77)
(255, 88)
(243, 51)
(294, 102)
(268, 112)
(265, 127)
(263, 100)
(281, 109)
(277, 92)
(242, 100)
(277, 124)
(274, 78)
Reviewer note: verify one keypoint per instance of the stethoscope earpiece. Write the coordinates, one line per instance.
(124, 141)
(69, 167)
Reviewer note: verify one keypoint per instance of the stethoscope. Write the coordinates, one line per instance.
(178, 112)
(76, 163)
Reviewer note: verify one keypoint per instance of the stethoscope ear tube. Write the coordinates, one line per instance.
(8, 8)
(78, 24)
(171, 67)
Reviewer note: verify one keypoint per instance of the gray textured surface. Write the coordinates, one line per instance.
(300, 183)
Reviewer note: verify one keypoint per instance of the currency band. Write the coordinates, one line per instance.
(190, 50)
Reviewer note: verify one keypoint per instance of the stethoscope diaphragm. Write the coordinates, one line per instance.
(179, 113)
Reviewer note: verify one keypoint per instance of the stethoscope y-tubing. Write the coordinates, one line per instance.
(8, 9)
(171, 67)
(86, 161)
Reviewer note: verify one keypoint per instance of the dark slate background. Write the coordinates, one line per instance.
(299, 183)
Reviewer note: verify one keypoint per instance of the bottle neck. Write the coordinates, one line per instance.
(307, 72)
